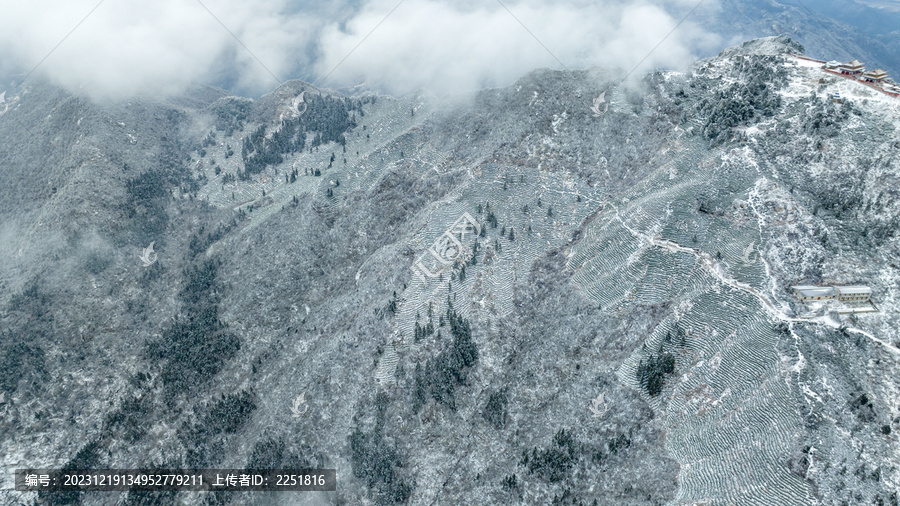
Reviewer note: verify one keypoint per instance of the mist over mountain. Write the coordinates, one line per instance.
(120, 50)
(117, 51)
(568, 290)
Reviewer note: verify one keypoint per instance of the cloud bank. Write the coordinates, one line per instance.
(128, 47)
(435, 44)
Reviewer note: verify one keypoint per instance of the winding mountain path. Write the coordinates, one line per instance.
(715, 268)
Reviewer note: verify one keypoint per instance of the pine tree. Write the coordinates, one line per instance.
(492, 219)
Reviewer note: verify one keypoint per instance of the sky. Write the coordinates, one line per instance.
(125, 48)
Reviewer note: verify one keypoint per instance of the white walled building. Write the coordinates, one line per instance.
(854, 293)
(810, 293)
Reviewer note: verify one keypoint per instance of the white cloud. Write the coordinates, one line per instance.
(129, 46)
(435, 44)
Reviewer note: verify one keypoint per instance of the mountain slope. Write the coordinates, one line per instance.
(841, 30)
(565, 291)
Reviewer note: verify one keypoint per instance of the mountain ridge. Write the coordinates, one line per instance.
(640, 258)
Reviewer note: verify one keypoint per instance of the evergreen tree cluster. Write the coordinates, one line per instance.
(128, 420)
(28, 323)
(377, 462)
(824, 117)
(374, 459)
(651, 374)
(227, 415)
(230, 413)
(202, 240)
(148, 186)
(269, 453)
(510, 482)
(443, 373)
(273, 453)
(88, 457)
(148, 192)
(750, 99)
(146, 204)
(393, 304)
(494, 412)
(20, 358)
(738, 105)
(492, 219)
(767, 68)
(843, 197)
(259, 152)
(196, 345)
(553, 463)
(423, 331)
(230, 114)
(326, 117)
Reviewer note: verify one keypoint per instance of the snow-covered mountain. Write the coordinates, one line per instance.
(569, 291)
(828, 29)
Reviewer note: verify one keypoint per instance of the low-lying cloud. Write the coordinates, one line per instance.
(434, 44)
(127, 47)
